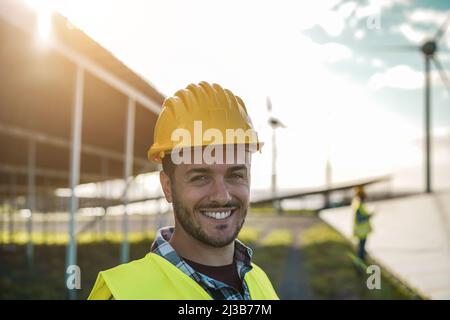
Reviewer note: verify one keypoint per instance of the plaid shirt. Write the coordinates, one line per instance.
(215, 288)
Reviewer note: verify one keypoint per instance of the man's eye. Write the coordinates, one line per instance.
(237, 175)
(199, 178)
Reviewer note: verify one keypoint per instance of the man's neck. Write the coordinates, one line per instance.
(190, 248)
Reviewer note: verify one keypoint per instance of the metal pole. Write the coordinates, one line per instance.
(45, 212)
(128, 172)
(328, 168)
(105, 196)
(31, 199)
(327, 182)
(77, 122)
(13, 208)
(427, 125)
(276, 203)
(4, 207)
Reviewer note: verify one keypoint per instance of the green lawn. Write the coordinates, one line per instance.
(269, 211)
(46, 279)
(333, 274)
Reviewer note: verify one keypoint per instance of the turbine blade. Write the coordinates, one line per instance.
(442, 73)
(440, 33)
(393, 48)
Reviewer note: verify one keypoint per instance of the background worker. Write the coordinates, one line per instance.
(200, 257)
(361, 225)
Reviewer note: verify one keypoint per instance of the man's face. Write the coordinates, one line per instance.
(210, 201)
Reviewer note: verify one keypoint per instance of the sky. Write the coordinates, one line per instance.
(327, 66)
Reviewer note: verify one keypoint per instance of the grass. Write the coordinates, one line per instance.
(46, 279)
(271, 255)
(39, 238)
(249, 235)
(287, 212)
(332, 273)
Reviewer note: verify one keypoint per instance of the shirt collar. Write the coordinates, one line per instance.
(242, 253)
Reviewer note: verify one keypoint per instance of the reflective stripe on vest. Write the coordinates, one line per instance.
(155, 278)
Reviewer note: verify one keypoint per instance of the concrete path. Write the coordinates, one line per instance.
(294, 284)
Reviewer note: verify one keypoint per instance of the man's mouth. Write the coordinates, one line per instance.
(218, 213)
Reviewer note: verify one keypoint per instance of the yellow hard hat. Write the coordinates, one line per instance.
(215, 107)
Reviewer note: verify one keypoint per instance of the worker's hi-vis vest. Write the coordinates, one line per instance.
(155, 278)
(361, 227)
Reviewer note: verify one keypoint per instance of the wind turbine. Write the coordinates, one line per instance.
(429, 49)
(275, 124)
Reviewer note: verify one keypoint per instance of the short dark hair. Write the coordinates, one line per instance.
(168, 166)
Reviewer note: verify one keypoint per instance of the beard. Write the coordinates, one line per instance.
(186, 218)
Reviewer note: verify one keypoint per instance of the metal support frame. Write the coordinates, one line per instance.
(77, 123)
(31, 200)
(50, 173)
(12, 209)
(22, 20)
(128, 174)
(427, 116)
(64, 143)
(274, 187)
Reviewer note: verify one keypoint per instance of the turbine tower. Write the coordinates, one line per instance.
(429, 49)
(275, 124)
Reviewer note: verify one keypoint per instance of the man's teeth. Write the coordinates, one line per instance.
(219, 215)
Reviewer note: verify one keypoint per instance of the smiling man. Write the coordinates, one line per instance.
(204, 139)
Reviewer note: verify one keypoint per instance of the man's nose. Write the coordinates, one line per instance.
(220, 193)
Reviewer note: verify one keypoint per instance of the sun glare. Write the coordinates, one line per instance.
(44, 10)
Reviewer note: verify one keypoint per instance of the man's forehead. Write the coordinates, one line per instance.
(211, 168)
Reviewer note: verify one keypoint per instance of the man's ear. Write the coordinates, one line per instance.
(165, 184)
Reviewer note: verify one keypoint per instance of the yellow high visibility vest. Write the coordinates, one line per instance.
(361, 229)
(155, 278)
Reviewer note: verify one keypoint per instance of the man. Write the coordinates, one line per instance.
(361, 226)
(204, 139)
